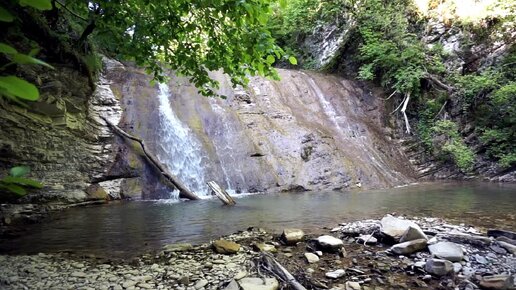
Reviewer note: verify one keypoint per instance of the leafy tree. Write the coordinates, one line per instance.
(13, 87)
(188, 37)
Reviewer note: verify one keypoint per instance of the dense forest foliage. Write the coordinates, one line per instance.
(389, 45)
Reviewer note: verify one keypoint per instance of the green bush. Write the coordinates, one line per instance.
(453, 145)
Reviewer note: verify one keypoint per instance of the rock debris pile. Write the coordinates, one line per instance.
(391, 253)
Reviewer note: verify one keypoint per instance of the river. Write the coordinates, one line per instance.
(125, 229)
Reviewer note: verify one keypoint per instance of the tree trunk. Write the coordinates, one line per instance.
(167, 176)
(221, 193)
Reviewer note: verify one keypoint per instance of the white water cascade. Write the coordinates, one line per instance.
(180, 150)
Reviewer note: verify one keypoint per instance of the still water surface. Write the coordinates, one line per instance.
(130, 228)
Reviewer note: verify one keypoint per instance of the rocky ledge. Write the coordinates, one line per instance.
(391, 253)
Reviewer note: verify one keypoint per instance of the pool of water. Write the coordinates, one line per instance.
(129, 228)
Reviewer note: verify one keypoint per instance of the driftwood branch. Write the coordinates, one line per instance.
(183, 191)
(270, 264)
(441, 110)
(221, 193)
(403, 110)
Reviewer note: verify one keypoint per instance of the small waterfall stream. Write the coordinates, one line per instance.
(180, 150)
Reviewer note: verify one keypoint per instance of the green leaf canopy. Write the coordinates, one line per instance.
(190, 37)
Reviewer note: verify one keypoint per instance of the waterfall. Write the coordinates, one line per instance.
(180, 150)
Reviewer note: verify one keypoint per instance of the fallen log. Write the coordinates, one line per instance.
(221, 193)
(268, 263)
(167, 176)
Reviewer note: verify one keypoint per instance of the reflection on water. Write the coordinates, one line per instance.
(130, 228)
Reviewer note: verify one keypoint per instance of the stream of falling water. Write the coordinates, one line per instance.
(180, 150)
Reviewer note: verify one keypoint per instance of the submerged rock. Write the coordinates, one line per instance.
(259, 284)
(330, 243)
(292, 236)
(439, 267)
(395, 227)
(225, 247)
(447, 250)
(409, 247)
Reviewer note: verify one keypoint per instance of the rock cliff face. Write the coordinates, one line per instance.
(306, 132)
(61, 137)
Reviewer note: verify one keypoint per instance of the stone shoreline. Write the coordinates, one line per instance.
(392, 253)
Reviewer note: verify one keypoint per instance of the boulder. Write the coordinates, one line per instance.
(311, 258)
(395, 227)
(330, 243)
(225, 247)
(447, 250)
(438, 267)
(409, 247)
(413, 233)
(259, 284)
(336, 274)
(496, 282)
(292, 236)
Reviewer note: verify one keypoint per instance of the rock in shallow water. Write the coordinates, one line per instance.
(447, 250)
(438, 267)
(258, 284)
(225, 247)
(409, 247)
